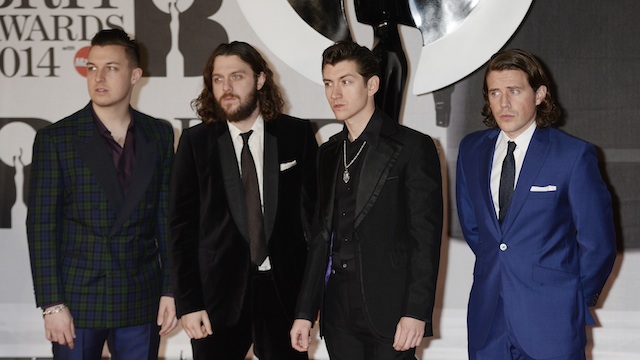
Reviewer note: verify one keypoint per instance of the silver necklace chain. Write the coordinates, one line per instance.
(345, 175)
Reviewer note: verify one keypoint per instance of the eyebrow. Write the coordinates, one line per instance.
(108, 63)
(233, 72)
(341, 77)
(507, 87)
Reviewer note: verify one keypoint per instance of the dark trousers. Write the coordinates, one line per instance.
(346, 328)
(263, 322)
(129, 343)
(501, 346)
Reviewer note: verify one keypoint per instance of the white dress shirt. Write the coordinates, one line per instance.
(500, 152)
(256, 146)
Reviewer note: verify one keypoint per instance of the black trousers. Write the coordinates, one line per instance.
(263, 322)
(347, 330)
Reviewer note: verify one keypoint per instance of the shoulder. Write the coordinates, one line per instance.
(480, 135)
(288, 122)
(565, 144)
(475, 138)
(68, 124)
(203, 134)
(151, 124)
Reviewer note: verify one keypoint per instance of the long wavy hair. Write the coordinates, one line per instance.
(547, 113)
(270, 98)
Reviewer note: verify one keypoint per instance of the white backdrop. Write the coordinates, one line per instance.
(41, 42)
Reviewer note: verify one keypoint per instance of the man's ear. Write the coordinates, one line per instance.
(541, 94)
(373, 85)
(136, 75)
(260, 80)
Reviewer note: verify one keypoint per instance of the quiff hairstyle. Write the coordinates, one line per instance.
(366, 62)
(119, 37)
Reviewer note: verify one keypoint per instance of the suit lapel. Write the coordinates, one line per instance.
(91, 148)
(145, 155)
(533, 162)
(485, 163)
(271, 174)
(375, 168)
(329, 160)
(231, 178)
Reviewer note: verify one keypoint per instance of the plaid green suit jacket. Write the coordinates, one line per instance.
(100, 252)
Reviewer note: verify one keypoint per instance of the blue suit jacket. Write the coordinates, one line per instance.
(550, 258)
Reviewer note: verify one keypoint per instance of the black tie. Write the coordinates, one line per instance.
(507, 178)
(254, 208)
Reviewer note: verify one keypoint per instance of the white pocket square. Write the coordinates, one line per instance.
(547, 188)
(288, 165)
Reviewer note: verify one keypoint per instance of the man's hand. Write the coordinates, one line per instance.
(167, 319)
(300, 335)
(197, 324)
(59, 327)
(409, 333)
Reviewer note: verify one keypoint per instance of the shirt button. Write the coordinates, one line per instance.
(344, 214)
(503, 247)
(344, 266)
(345, 240)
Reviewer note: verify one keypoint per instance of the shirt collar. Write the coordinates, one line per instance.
(258, 128)
(522, 141)
(371, 133)
(102, 129)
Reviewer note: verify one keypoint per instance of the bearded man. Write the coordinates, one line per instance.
(241, 199)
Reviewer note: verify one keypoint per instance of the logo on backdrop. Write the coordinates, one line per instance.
(177, 35)
(15, 163)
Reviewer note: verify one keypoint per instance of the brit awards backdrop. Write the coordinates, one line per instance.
(433, 54)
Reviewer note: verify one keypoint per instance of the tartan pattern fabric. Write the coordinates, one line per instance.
(103, 258)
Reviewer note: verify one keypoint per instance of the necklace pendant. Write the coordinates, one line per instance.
(346, 176)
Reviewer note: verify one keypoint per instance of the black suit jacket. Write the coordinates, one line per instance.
(209, 241)
(398, 225)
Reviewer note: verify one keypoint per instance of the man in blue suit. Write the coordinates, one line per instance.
(538, 217)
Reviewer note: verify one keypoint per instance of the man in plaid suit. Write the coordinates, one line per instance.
(97, 223)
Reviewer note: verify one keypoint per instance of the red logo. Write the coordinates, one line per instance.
(80, 60)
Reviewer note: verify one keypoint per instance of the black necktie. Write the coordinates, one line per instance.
(257, 244)
(507, 178)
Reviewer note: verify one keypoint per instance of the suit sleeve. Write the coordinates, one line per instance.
(312, 286)
(184, 224)
(309, 180)
(592, 213)
(423, 195)
(466, 213)
(43, 221)
(163, 208)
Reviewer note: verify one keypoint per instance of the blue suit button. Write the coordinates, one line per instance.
(503, 247)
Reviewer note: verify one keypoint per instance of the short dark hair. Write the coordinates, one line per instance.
(547, 112)
(270, 97)
(119, 37)
(365, 60)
